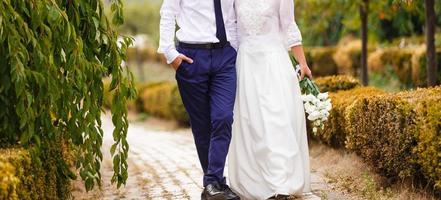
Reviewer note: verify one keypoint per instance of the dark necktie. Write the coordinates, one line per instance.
(220, 26)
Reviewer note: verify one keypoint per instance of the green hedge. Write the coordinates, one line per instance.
(380, 129)
(426, 104)
(409, 64)
(336, 83)
(160, 99)
(335, 132)
(144, 54)
(419, 66)
(163, 100)
(400, 60)
(398, 134)
(25, 179)
(320, 60)
(348, 56)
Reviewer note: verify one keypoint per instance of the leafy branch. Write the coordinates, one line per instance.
(54, 56)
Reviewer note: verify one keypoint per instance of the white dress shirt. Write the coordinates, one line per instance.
(197, 24)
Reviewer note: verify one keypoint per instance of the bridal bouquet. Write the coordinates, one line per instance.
(317, 105)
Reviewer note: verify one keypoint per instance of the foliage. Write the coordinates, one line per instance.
(334, 132)
(388, 19)
(348, 56)
(144, 54)
(54, 55)
(109, 94)
(23, 179)
(141, 17)
(409, 64)
(419, 66)
(398, 134)
(400, 60)
(320, 32)
(8, 181)
(380, 129)
(406, 66)
(336, 83)
(427, 107)
(320, 60)
(177, 107)
(163, 100)
(386, 80)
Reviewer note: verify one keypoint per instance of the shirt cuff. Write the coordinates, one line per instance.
(171, 55)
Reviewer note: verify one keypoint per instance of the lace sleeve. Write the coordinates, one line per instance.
(288, 26)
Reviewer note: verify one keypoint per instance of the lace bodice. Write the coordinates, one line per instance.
(261, 17)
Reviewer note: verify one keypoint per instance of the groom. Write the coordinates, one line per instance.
(204, 60)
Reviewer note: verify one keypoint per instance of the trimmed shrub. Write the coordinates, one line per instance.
(163, 100)
(336, 83)
(142, 54)
(156, 100)
(320, 60)
(419, 66)
(177, 107)
(348, 56)
(399, 59)
(380, 129)
(141, 87)
(419, 70)
(8, 181)
(399, 134)
(24, 179)
(334, 132)
(427, 106)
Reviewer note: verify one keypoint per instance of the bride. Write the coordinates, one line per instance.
(269, 155)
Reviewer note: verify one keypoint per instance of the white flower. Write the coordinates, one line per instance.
(322, 96)
(323, 113)
(314, 115)
(317, 108)
(310, 97)
(309, 108)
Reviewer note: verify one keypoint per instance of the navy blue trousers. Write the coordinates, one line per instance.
(208, 90)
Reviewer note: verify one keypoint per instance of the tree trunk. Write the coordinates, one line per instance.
(430, 43)
(364, 9)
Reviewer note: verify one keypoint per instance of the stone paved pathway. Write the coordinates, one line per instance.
(162, 165)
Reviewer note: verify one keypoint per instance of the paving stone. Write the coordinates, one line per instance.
(164, 165)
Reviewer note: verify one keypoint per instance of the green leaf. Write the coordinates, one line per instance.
(53, 57)
(112, 149)
(53, 14)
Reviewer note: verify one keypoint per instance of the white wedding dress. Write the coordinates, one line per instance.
(269, 148)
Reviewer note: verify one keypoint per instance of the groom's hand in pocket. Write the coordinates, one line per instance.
(178, 61)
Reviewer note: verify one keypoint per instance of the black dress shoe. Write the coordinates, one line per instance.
(229, 193)
(213, 192)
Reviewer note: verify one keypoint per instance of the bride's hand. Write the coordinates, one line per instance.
(305, 71)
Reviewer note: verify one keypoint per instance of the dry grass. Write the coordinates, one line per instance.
(348, 173)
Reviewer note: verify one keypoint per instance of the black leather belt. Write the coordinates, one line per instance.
(204, 45)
